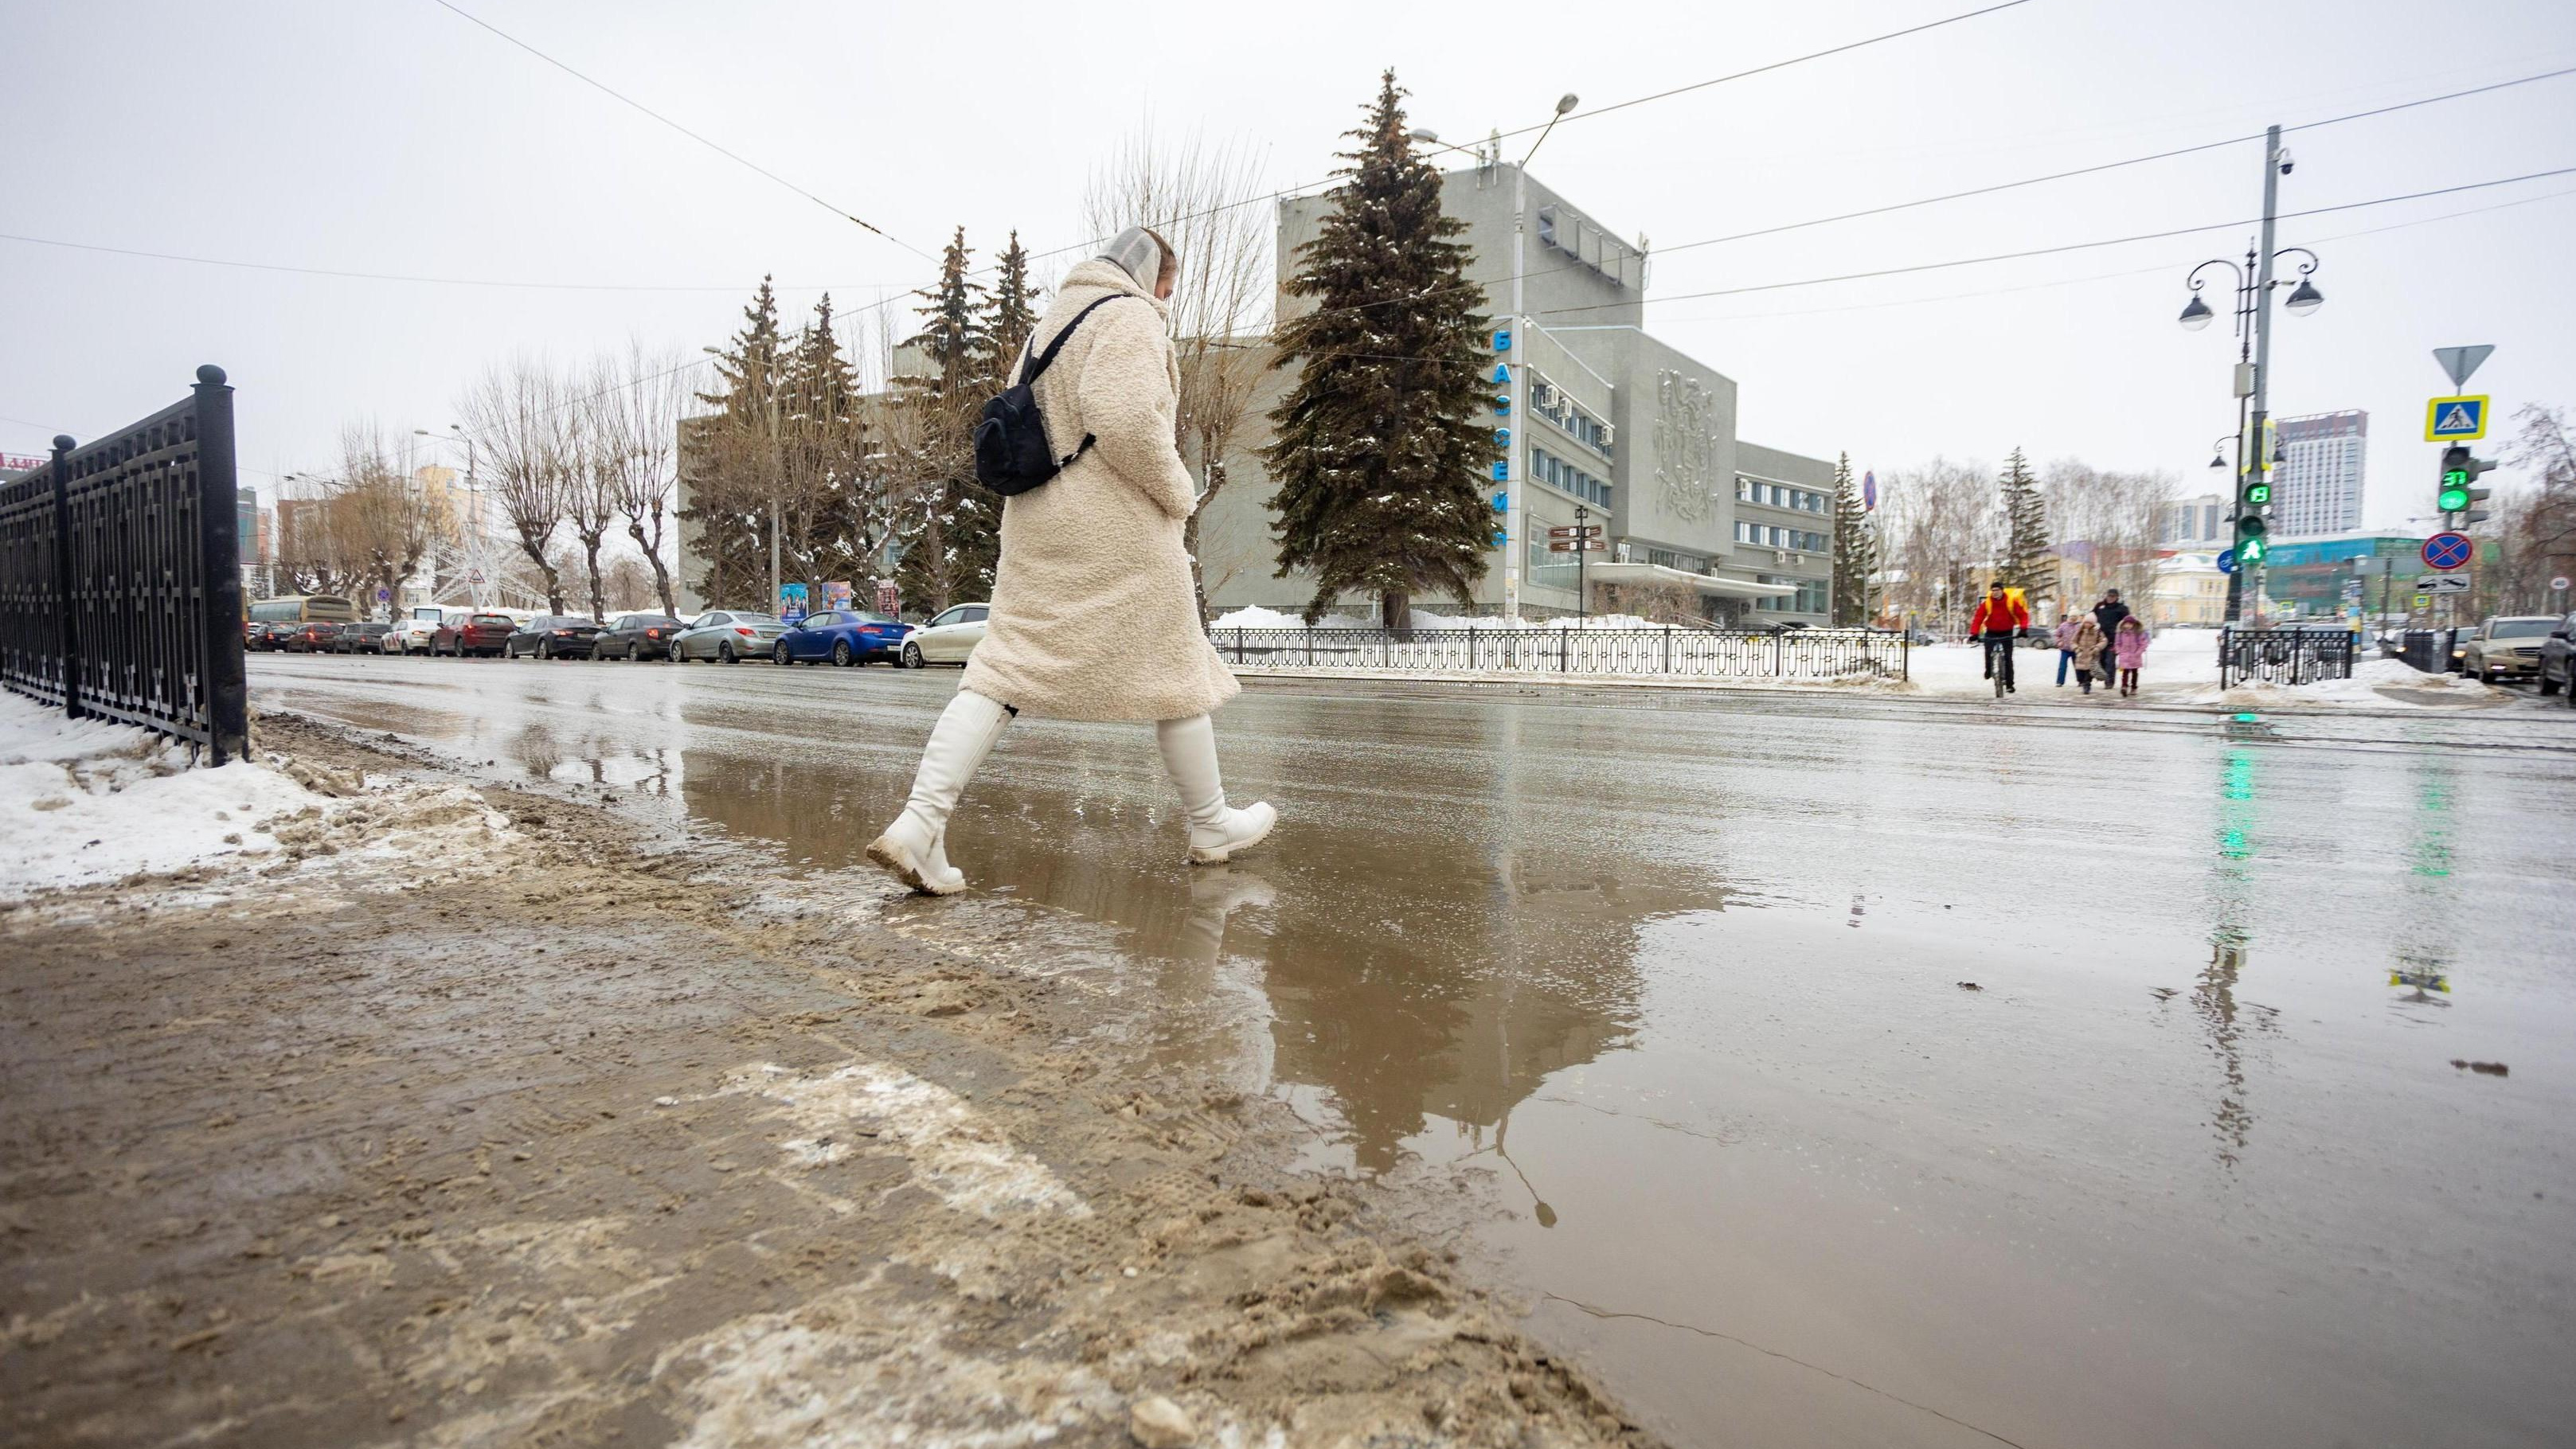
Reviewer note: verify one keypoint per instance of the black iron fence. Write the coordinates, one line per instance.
(1817, 654)
(120, 576)
(2283, 656)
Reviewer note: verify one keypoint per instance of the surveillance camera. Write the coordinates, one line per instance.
(2287, 163)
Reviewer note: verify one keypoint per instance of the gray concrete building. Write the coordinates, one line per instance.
(1604, 421)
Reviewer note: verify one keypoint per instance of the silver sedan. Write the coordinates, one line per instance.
(728, 636)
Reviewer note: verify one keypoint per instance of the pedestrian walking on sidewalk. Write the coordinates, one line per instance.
(2089, 645)
(2129, 651)
(2065, 637)
(1999, 617)
(1093, 616)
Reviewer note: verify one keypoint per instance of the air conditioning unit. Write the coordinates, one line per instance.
(1609, 435)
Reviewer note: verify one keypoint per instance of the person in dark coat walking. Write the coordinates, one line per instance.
(2109, 613)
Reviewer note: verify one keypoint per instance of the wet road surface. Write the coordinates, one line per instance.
(2190, 1162)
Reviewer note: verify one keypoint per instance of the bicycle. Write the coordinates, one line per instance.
(1999, 661)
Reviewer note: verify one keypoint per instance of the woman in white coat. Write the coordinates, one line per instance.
(1094, 616)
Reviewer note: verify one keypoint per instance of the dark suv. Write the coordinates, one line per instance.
(478, 634)
(360, 638)
(553, 636)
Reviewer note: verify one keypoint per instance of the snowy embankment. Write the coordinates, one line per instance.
(84, 802)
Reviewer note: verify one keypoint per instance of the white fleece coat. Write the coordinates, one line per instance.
(1093, 615)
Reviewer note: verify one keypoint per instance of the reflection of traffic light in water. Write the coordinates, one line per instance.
(2231, 887)
(2422, 966)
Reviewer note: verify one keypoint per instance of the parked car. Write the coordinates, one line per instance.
(636, 636)
(268, 635)
(2558, 659)
(311, 637)
(552, 636)
(365, 637)
(843, 636)
(728, 636)
(947, 639)
(2505, 648)
(474, 634)
(412, 635)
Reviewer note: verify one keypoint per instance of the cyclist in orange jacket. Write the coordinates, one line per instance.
(2000, 618)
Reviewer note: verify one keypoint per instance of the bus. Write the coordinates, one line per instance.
(303, 609)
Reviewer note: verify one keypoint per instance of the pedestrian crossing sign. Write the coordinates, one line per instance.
(2455, 419)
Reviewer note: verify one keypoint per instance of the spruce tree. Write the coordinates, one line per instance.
(1383, 449)
(2025, 561)
(1011, 314)
(1855, 550)
(955, 534)
(824, 448)
(734, 458)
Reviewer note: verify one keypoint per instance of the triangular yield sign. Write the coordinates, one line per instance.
(2459, 362)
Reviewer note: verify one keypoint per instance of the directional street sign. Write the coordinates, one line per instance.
(2442, 584)
(1576, 545)
(2447, 551)
(1589, 530)
(2459, 362)
(2455, 419)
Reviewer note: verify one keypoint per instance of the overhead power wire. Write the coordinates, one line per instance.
(1582, 115)
(734, 288)
(721, 150)
(2071, 246)
(2104, 166)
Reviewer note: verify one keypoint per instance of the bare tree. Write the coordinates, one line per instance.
(1196, 195)
(593, 477)
(517, 413)
(2535, 519)
(386, 523)
(637, 424)
(1939, 520)
(2106, 520)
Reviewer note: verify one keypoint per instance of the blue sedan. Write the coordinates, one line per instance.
(843, 636)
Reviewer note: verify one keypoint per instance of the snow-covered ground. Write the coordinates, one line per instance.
(1260, 618)
(84, 802)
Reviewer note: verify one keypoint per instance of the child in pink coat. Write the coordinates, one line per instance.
(2129, 650)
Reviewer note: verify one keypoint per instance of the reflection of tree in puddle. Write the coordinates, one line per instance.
(537, 751)
(1452, 995)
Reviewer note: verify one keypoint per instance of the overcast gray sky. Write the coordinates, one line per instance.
(392, 136)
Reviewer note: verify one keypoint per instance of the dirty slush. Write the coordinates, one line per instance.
(563, 1145)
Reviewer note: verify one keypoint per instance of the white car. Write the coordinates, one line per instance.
(412, 635)
(947, 639)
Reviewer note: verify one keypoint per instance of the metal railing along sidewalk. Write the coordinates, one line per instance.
(1793, 654)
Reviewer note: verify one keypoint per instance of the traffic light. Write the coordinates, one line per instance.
(2251, 527)
(2460, 493)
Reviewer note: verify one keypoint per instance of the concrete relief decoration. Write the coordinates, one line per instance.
(1685, 451)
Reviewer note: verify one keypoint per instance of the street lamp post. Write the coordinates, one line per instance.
(2254, 284)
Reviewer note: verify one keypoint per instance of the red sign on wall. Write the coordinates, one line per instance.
(20, 462)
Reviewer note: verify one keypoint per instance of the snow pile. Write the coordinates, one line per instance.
(2377, 683)
(83, 801)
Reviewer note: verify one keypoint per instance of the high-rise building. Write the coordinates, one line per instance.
(2317, 490)
(2193, 524)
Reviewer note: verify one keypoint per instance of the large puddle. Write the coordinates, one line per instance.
(1862, 1073)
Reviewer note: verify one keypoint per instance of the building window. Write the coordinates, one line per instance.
(1559, 474)
(1813, 596)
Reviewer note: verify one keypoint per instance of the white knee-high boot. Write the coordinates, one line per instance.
(1216, 833)
(915, 847)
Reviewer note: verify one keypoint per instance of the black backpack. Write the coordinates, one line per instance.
(1011, 451)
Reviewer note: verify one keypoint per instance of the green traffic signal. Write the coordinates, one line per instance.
(2454, 496)
(2250, 550)
(2257, 495)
